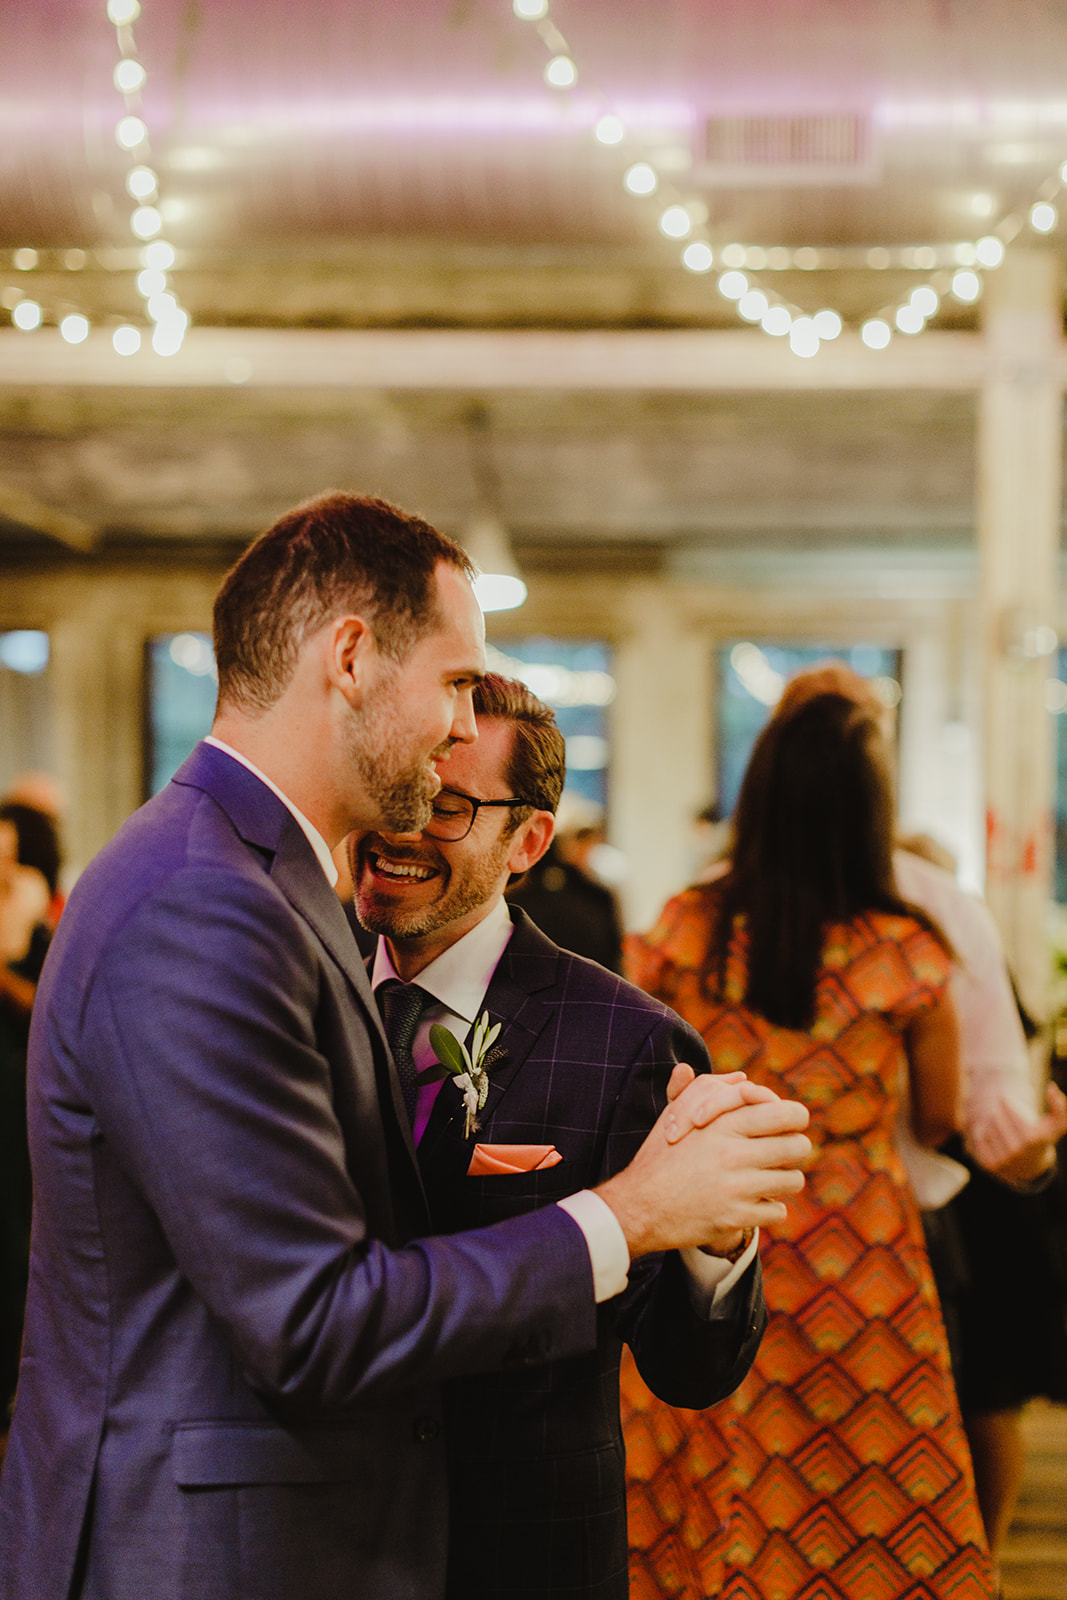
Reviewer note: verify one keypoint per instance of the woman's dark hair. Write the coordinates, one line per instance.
(38, 840)
(813, 845)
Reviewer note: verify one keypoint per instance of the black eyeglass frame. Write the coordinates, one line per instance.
(475, 805)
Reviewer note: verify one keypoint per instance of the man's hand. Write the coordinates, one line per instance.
(1015, 1147)
(708, 1096)
(729, 1172)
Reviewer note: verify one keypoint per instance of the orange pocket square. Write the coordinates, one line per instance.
(490, 1159)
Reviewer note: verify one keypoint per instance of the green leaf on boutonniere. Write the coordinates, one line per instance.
(450, 1052)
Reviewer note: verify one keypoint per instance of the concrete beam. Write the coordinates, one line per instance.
(697, 361)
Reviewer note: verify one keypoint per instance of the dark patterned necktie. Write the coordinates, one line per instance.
(401, 1005)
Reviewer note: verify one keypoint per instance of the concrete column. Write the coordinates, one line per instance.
(661, 765)
(1020, 441)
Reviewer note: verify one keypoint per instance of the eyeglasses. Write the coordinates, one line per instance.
(454, 814)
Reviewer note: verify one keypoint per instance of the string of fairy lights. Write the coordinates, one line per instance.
(163, 314)
(954, 269)
(744, 273)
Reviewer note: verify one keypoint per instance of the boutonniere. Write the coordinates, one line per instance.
(469, 1069)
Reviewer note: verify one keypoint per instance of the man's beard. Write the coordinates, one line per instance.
(401, 787)
(464, 892)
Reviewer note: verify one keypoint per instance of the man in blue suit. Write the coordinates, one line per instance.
(581, 1072)
(237, 1325)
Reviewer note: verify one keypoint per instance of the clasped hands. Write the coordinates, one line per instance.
(723, 1157)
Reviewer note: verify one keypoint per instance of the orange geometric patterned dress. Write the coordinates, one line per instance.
(839, 1470)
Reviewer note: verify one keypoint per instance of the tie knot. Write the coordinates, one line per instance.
(401, 1006)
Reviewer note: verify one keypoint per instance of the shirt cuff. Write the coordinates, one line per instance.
(711, 1278)
(609, 1253)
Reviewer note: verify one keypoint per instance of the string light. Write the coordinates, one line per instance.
(561, 73)
(641, 178)
(684, 213)
(146, 219)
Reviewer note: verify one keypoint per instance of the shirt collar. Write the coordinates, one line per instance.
(314, 837)
(459, 977)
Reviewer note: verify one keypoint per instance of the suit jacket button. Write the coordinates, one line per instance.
(425, 1429)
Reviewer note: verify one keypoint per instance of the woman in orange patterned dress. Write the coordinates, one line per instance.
(839, 1470)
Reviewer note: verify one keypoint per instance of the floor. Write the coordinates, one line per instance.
(1035, 1560)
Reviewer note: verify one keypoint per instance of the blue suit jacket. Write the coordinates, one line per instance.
(537, 1467)
(229, 1387)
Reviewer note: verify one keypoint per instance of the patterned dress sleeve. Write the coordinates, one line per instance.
(928, 967)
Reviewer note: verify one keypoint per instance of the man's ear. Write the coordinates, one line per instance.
(351, 657)
(532, 838)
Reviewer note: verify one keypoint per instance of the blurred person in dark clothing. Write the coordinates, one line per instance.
(38, 846)
(564, 897)
(24, 937)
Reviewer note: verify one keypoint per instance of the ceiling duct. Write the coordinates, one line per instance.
(795, 151)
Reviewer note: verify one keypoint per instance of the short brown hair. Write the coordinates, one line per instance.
(538, 762)
(336, 553)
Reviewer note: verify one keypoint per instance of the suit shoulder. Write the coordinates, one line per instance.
(585, 982)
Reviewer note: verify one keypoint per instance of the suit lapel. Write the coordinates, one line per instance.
(270, 828)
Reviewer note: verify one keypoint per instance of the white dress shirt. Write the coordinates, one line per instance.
(458, 980)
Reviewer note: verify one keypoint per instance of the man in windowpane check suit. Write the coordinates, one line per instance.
(238, 1322)
(577, 1074)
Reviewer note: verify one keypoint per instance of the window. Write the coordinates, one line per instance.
(574, 678)
(180, 701)
(26, 726)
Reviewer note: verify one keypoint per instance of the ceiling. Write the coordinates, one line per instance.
(401, 164)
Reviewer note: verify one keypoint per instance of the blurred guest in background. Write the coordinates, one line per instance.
(24, 936)
(804, 966)
(998, 1248)
(563, 894)
(37, 835)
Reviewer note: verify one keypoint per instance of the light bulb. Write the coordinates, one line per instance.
(74, 328)
(989, 251)
(698, 256)
(158, 254)
(160, 307)
(827, 324)
(122, 12)
(803, 340)
(27, 315)
(640, 178)
(909, 319)
(129, 76)
(876, 334)
(530, 10)
(131, 132)
(753, 305)
(499, 591)
(140, 183)
(733, 285)
(733, 255)
(675, 222)
(925, 299)
(24, 259)
(151, 281)
(146, 222)
(561, 73)
(776, 321)
(126, 340)
(609, 130)
(1043, 217)
(967, 286)
(167, 338)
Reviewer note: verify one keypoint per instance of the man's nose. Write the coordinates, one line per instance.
(464, 727)
(414, 837)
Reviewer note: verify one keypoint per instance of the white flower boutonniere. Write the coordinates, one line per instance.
(469, 1069)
